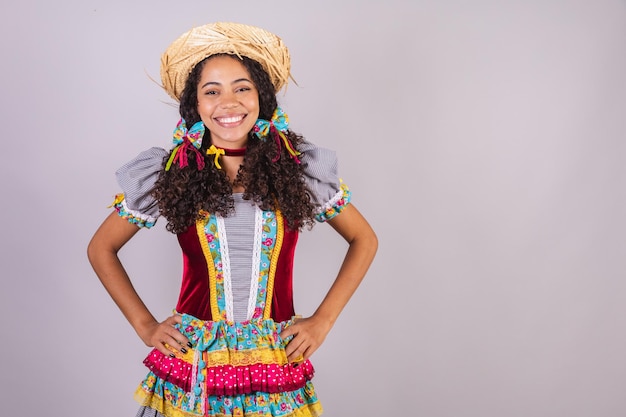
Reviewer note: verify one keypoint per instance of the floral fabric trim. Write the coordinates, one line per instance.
(336, 205)
(206, 228)
(226, 301)
(132, 216)
(169, 401)
(271, 242)
(257, 245)
(268, 239)
(232, 367)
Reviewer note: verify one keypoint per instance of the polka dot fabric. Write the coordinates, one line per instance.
(234, 369)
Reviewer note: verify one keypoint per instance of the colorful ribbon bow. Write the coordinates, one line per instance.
(186, 139)
(277, 126)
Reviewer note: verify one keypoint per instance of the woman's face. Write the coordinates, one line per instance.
(228, 101)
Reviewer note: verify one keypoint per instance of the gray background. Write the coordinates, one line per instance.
(484, 141)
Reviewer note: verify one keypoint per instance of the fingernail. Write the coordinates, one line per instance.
(182, 349)
(189, 344)
(172, 355)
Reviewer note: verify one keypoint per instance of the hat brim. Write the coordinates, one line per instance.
(238, 39)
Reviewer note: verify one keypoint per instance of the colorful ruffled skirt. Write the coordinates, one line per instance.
(233, 369)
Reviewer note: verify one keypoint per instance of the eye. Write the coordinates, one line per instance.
(210, 93)
(243, 89)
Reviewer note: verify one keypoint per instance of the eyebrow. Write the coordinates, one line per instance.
(234, 82)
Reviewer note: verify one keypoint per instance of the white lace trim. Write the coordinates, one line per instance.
(256, 261)
(228, 285)
(332, 202)
(138, 215)
(194, 376)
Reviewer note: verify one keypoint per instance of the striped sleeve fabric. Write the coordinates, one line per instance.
(136, 179)
(321, 175)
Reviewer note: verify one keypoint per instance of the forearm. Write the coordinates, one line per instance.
(363, 243)
(102, 253)
(115, 280)
(310, 333)
(354, 267)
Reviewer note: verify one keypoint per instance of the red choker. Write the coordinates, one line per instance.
(233, 152)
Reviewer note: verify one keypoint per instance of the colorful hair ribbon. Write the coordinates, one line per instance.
(186, 139)
(277, 127)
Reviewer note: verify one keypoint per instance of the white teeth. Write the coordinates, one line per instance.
(229, 119)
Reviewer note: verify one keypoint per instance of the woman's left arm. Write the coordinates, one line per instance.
(309, 333)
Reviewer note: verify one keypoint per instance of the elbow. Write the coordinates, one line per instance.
(97, 249)
(373, 239)
(92, 251)
(367, 240)
(108, 240)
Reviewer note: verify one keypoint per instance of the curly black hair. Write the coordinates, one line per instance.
(183, 193)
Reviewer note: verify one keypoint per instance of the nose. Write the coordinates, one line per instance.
(229, 101)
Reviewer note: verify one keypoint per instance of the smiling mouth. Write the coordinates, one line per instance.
(230, 120)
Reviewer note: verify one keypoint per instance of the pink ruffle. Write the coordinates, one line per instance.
(174, 370)
(271, 378)
(232, 380)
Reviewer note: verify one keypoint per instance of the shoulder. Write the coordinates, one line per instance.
(319, 163)
(148, 160)
(136, 179)
(321, 175)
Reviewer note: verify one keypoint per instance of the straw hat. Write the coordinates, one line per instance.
(223, 38)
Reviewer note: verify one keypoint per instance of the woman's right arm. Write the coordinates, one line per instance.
(102, 252)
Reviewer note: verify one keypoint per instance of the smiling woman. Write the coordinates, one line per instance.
(228, 101)
(237, 188)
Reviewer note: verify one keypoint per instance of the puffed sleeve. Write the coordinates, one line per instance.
(136, 179)
(321, 175)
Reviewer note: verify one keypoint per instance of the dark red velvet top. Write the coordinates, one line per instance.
(194, 298)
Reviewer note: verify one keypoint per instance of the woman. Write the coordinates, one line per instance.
(237, 188)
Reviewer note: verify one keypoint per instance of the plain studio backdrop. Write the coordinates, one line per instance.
(484, 140)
